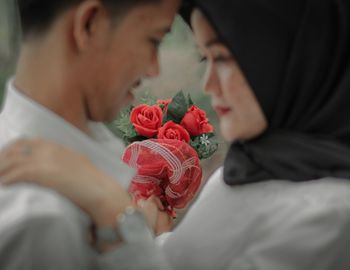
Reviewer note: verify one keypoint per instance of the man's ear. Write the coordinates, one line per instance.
(86, 22)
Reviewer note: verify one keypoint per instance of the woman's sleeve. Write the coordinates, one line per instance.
(316, 237)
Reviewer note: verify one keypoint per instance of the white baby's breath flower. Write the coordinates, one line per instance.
(204, 139)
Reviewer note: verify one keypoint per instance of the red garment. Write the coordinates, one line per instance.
(168, 169)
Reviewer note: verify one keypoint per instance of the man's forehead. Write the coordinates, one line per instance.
(161, 13)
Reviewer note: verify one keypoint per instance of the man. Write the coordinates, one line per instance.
(79, 63)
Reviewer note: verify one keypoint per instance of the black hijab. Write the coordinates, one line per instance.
(295, 54)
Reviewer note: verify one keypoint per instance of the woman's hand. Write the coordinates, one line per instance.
(156, 215)
(75, 177)
(68, 172)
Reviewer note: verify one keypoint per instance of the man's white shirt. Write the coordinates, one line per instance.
(40, 229)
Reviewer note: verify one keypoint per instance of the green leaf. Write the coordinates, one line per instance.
(135, 139)
(123, 126)
(204, 150)
(177, 108)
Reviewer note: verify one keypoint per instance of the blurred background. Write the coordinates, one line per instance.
(180, 70)
(9, 40)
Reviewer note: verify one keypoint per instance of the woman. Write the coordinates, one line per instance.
(278, 75)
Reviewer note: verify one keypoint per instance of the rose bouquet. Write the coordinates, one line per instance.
(165, 140)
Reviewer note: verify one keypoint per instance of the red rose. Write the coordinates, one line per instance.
(196, 122)
(165, 103)
(173, 131)
(147, 119)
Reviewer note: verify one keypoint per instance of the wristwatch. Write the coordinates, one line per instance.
(130, 227)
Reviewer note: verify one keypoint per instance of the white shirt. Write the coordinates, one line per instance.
(40, 229)
(273, 225)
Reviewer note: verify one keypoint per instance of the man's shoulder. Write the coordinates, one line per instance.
(24, 203)
(41, 229)
(8, 132)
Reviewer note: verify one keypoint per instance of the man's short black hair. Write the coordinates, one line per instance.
(38, 15)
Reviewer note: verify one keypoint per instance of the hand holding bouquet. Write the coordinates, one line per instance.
(166, 139)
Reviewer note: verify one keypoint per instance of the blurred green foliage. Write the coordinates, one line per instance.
(6, 70)
(9, 40)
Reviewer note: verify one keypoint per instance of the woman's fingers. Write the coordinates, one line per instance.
(159, 204)
(18, 145)
(16, 153)
(164, 224)
(150, 210)
(17, 161)
(156, 215)
(15, 174)
(9, 164)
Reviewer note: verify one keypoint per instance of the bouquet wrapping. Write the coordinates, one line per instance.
(168, 169)
(165, 141)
